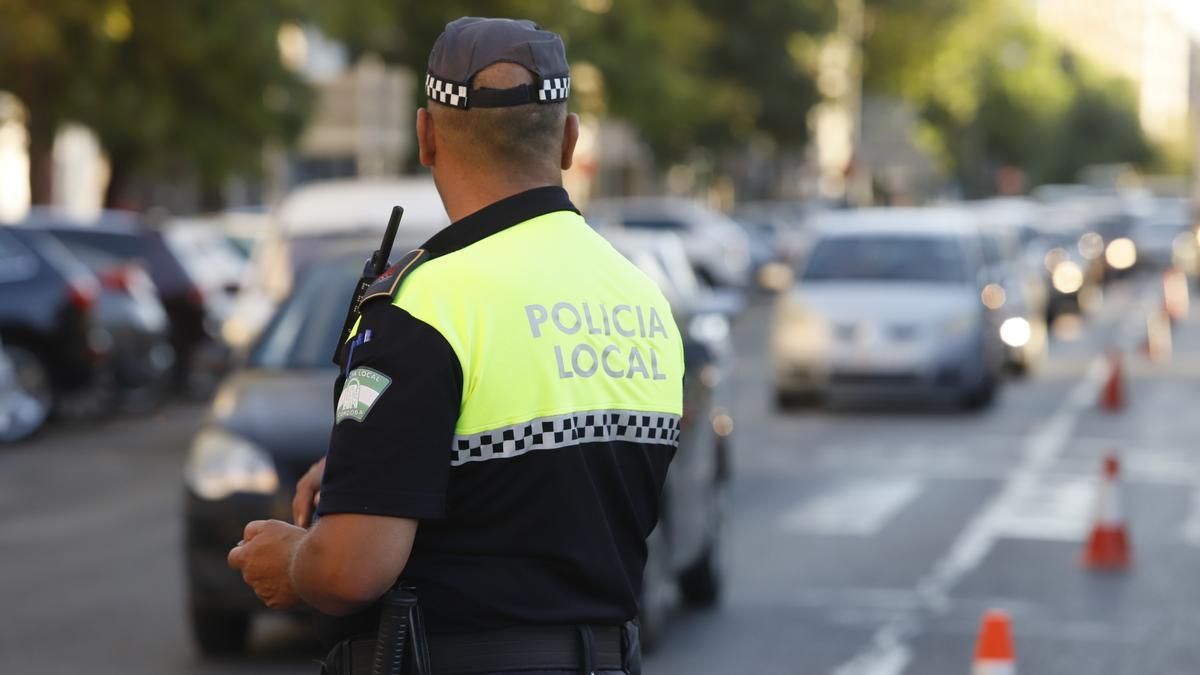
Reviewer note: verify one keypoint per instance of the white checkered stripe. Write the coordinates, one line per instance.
(444, 92)
(546, 433)
(554, 89)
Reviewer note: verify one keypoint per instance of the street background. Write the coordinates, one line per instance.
(868, 536)
(885, 444)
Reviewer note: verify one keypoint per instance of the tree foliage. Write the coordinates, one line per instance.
(993, 90)
(195, 88)
(188, 86)
(682, 72)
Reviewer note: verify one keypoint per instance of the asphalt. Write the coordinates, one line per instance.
(863, 541)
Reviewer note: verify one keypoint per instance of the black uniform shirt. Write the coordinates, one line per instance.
(547, 537)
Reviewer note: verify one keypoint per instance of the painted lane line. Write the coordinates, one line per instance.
(855, 508)
(888, 653)
(1059, 508)
(1040, 452)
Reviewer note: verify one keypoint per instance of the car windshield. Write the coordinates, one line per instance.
(304, 332)
(887, 258)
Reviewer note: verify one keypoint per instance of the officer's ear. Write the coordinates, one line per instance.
(426, 142)
(570, 138)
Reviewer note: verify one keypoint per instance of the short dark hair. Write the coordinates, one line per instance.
(528, 136)
(524, 139)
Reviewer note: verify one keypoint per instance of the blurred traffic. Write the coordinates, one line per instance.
(897, 321)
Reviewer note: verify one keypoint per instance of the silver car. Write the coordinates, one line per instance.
(717, 247)
(889, 302)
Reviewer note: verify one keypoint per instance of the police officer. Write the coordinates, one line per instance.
(508, 409)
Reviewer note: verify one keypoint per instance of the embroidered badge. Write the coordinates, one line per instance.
(363, 387)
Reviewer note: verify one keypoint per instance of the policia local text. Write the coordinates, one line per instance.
(584, 361)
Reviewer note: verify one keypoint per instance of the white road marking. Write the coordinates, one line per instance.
(1058, 508)
(1040, 452)
(888, 654)
(860, 507)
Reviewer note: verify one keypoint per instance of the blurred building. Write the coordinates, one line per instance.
(1143, 41)
(14, 161)
(363, 124)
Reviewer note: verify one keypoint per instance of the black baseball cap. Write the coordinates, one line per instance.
(470, 44)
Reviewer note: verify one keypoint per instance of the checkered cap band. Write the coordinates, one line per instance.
(546, 433)
(554, 89)
(446, 92)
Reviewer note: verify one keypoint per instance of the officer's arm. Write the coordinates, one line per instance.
(348, 561)
(388, 465)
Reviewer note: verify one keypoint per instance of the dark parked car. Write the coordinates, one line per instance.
(21, 414)
(245, 462)
(135, 325)
(123, 237)
(47, 304)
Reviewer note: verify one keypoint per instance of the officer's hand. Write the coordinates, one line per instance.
(308, 494)
(264, 556)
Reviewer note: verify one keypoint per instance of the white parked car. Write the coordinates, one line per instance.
(318, 215)
(717, 246)
(889, 302)
(709, 312)
(211, 260)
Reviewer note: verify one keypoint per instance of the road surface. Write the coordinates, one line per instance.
(863, 541)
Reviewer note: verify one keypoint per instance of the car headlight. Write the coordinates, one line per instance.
(711, 329)
(221, 464)
(1121, 254)
(775, 276)
(1067, 277)
(1016, 332)
(958, 325)
(994, 296)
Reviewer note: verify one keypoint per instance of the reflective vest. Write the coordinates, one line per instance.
(579, 346)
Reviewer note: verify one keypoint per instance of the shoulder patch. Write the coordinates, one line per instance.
(389, 282)
(362, 389)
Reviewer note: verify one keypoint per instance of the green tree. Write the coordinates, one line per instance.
(42, 44)
(195, 90)
(993, 90)
(681, 72)
(182, 88)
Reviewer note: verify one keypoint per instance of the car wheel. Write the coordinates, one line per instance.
(701, 584)
(792, 400)
(150, 389)
(983, 395)
(656, 591)
(220, 632)
(32, 397)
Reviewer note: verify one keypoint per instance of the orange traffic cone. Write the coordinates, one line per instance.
(1176, 300)
(1108, 545)
(1112, 397)
(994, 654)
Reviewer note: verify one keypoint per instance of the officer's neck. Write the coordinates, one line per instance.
(466, 195)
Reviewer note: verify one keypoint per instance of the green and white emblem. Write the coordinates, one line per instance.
(363, 387)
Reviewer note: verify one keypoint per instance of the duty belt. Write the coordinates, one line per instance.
(519, 648)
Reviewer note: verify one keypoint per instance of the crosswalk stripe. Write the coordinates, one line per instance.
(859, 507)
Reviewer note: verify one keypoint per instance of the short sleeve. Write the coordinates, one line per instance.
(394, 420)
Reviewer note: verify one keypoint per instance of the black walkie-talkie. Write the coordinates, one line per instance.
(372, 270)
